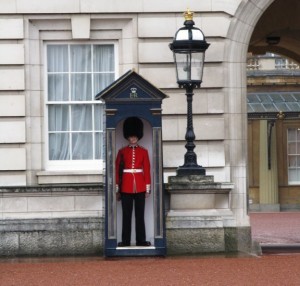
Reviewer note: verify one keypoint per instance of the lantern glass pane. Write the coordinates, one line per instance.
(189, 66)
(182, 35)
(197, 35)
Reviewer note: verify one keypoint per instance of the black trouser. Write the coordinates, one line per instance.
(139, 209)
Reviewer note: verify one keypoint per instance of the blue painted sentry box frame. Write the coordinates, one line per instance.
(132, 95)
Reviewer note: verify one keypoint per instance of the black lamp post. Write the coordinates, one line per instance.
(189, 46)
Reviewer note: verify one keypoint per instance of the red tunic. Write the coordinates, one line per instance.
(136, 177)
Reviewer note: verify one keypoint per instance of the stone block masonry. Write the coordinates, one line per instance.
(51, 220)
(51, 237)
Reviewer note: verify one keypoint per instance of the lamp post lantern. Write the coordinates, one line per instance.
(189, 46)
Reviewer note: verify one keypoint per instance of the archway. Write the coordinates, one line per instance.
(274, 186)
(238, 39)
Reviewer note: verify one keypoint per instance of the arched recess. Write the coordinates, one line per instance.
(278, 30)
(270, 170)
(236, 47)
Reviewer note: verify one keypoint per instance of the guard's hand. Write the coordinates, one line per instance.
(118, 196)
(147, 195)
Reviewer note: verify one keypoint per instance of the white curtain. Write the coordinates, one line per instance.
(104, 65)
(76, 73)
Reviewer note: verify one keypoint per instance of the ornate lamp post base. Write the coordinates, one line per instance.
(190, 170)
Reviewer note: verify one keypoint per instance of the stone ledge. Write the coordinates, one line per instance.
(201, 213)
(69, 177)
(75, 188)
(215, 188)
(199, 184)
(59, 224)
(190, 179)
(191, 222)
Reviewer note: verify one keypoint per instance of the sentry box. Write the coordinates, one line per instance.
(133, 96)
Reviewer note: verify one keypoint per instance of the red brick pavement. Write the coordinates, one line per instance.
(270, 270)
(276, 228)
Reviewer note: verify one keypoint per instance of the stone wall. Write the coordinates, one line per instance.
(51, 237)
(51, 220)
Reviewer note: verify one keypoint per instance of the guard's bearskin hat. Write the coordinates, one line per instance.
(133, 126)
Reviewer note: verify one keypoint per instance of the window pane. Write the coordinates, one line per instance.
(82, 117)
(58, 118)
(292, 135)
(80, 58)
(59, 146)
(292, 161)
(292, 175)
(298, 134)
(101, 81)
(99, 145)
(298, 148)
(298, 161)
(99, 116)
(292, 148)
(57, 58)
(81, 87)
(104, 60)
(58, 87)
(82, 146)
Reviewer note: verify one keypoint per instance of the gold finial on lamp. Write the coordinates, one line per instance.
(188, 15)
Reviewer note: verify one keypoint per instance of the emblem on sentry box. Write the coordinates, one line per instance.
(133, 93)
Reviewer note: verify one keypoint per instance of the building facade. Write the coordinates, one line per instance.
(273, 126)
(56, 56)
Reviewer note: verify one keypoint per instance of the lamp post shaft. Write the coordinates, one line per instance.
(190, 166)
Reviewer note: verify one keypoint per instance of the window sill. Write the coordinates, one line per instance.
(69, 177)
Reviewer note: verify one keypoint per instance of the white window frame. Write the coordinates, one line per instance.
(296, 154)
(72, 165)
